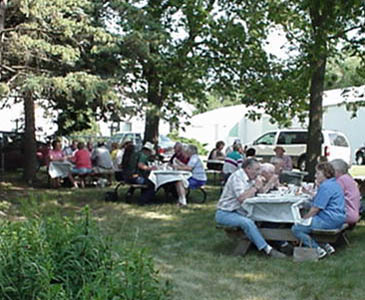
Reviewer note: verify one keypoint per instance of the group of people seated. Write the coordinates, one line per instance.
(235, 155)
(85, 159)
(335, 200)
(129, 165)
(137, 165)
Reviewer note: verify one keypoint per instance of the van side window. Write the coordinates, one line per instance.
(266, 139)
(292, 138)
(338, 140)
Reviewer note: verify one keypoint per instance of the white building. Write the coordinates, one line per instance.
(226, 123)
(229, 123)
(12, 118)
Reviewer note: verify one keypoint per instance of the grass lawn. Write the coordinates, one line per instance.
(192, 254)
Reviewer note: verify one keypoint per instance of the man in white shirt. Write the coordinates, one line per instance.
(241, 185)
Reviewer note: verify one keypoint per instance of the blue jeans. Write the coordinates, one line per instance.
(234, 219)
(302, 232)
(81, 171)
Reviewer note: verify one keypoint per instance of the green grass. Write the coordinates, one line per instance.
(192, 254)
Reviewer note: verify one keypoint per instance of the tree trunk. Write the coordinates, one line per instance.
(3, 4)
(151, 131)
(314, 146)
(318, 68)
(30, 146)
(154, 97)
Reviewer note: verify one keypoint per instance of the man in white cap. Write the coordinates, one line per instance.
(138, 170)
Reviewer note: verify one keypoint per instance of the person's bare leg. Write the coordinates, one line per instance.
(181, 192)
(74, 183)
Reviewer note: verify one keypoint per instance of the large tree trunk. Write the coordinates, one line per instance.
(30, 146)
(3, 4)
(151, 131)
(318, 68)
(154, 97)
(314, 145)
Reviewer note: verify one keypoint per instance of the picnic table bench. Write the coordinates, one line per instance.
(242, 243)
(132, 187)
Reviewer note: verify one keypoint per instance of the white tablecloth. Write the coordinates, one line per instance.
(59, 169)
(274, 208)
(161, 177)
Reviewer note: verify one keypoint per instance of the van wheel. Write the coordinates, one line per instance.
(301, 163)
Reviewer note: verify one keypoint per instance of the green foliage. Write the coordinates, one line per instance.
(59, 56)
(201, 147)
(61, 258)
(177, 51)
(344, 73)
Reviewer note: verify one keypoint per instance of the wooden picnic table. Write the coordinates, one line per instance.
(283, 210)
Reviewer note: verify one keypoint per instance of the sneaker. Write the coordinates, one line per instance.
(321, 252)
(276, 254)
(329, 249)
(287, 248)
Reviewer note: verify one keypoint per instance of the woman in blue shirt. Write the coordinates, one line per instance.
(327, 211)
(196, 167)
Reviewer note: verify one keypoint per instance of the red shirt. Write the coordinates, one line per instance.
(82, 159)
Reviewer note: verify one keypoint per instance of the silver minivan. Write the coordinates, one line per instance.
(334, 145)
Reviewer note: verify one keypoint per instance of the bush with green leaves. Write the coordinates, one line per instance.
(201, 150)
(61, 258)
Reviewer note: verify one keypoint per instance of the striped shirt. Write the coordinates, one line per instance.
(232, 162)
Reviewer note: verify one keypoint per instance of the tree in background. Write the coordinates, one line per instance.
(316, 31)
(178, 51)
(49, 55)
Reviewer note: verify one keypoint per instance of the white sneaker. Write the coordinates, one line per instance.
(321, 252)
(329, 249)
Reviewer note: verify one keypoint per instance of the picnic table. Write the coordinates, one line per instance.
(161, 177)
(214, 166)
(282, 209)
(275, 207)
(59, 169)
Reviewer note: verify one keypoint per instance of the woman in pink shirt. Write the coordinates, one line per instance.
(82, 161)
(350, 188)
(55, 154)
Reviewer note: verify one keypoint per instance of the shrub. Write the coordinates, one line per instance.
(201, 150)
(60, 258)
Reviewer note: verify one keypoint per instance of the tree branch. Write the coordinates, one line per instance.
(342, 33)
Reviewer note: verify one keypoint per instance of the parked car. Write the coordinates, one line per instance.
(334, 145)
(165, 147)
(360, 155)
(12, 151)
(121, 137)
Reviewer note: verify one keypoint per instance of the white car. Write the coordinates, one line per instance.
(334, 145)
